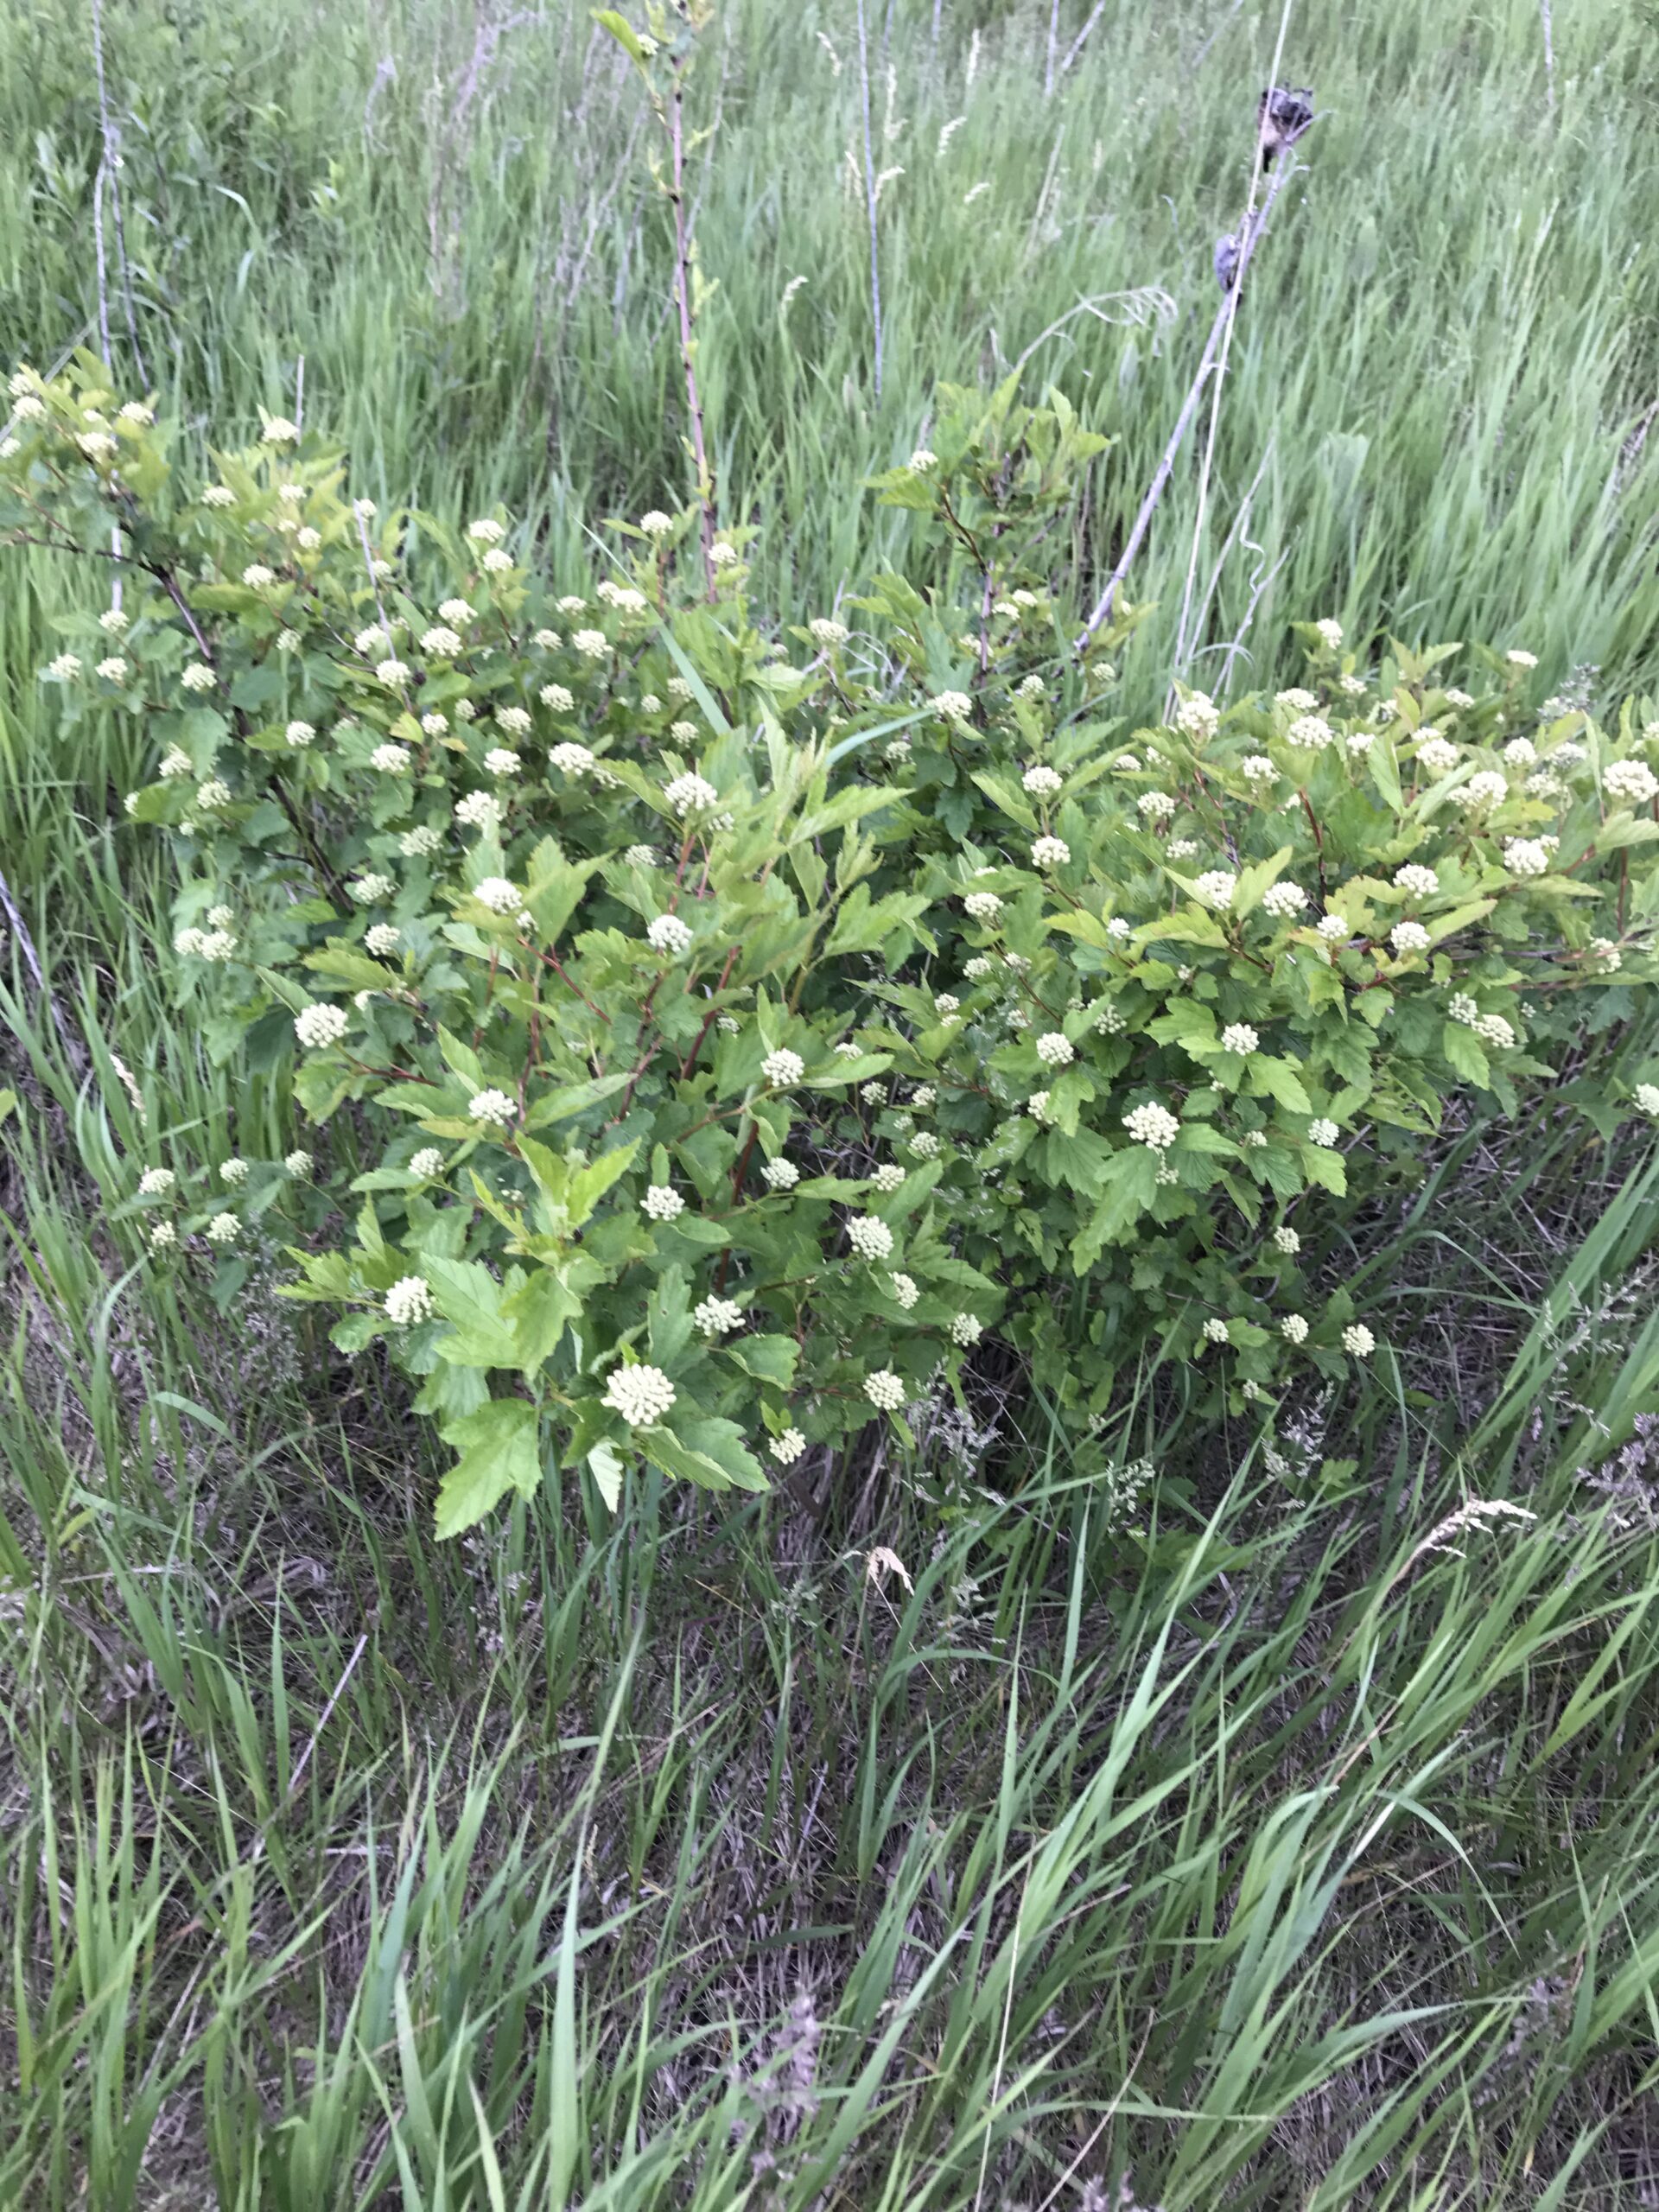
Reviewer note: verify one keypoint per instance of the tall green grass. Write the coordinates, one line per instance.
(1440, 391)
(1258, 1842)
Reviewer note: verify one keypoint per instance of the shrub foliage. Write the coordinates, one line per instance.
(743, 1032)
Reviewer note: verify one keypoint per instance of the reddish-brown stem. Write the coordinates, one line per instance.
(690, 1061)
(552, 961)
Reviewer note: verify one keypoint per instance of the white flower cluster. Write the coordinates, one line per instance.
(1287, 1240)
(1215, 1332)
(888, 1177)
(1486, 789)
(870, 1238)
(640, 1394)
(1054, 1049)
(155, 1182)
(198, 677)
(498, 896)
(669, 935)
(982, 905)
(319, 1027)
(662, 1202)
(1239, 1037)
(556, 696)
(1042, 781)
(441, 641)
(1437, 753)
(955, 706)
(925, 1145)
(480, 811)
(688, 794)
(426, 1163)
(717, 1317)
(904, 1290)
(591, 645)
(1517, 657)
(1256, 768)
(420, 843)
(1281, 900)
(1294, 1328)
(787, 1446)
(1197, 717)
(1330, 633)
(1520, 753)
(1407, 938)
(382, 939)
(781, 1067)
(1335, 929)
(493, 1107)
(1526, 856)
(389, 759)
(1157, 806)
(1153, 1125)
(780, 1174)
(1357, 1339)
(501, 760)
(407, 1301)
(1631, 780)
(1419, 882)
(1050, 852)
(1322, 1132)
(223, 1229)
(884, 1390)
(1296, 700)
(1309, 733)
(1647, 1099)
(1215, 887)
(966, 1329)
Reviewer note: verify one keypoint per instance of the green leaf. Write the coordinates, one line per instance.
(468, 1295)
(1276, 1078)
(575, 1098)
(498, 1452)
(535, 1317)
(769, 1359)
(710, 1452)
(589, 1184)
(1465, 1053)
(1257, 877)
(605, 1464)
(461, 1059)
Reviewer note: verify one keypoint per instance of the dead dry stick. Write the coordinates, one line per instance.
(676, 126)
(869, 194)
(1249, 239)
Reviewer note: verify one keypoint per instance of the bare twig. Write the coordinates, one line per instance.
(1549, 52)
(1231, 303)
(1251, 238)
(1053, 48)
(1076, 47)
(869, 191)
(688, 345)
(109, 169)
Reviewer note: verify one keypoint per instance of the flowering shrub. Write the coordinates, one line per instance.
(743, 1034)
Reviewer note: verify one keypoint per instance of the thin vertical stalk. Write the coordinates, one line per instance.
(687, 341)
(869, 191)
